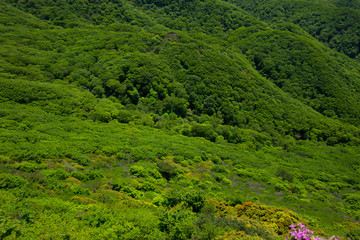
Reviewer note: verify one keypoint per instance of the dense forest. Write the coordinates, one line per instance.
(187, 119)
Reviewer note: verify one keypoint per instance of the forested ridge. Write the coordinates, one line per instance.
(188, 119)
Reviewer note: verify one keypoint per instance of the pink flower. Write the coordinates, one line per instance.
(301, 225)
(301, 232)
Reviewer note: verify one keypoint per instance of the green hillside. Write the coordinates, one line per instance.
(175, 120)
(334, 23)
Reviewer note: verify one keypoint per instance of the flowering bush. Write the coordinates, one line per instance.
(276, 218)
(301, 232)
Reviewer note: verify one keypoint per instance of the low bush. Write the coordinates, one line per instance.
(191, 198)
(11, 181)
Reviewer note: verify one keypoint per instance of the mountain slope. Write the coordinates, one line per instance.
(172, 120)
(335, 23)
(305, 69)
(171, 71)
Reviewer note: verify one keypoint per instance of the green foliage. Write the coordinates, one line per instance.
(80, 159)
(78, 190)
(167, 169)
(28, 166)
(330, 23)
(93, 174)
(11, 181)
(123, 119)
(193, 199)
(220, 169)
(178, 223)
(285, 175)
(175, 105)
(276, 55)
(353, 199)
(79, 175)
(57, 173)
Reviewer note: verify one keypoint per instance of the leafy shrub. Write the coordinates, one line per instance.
(83, 200)
(121, 156)
(178, 223)
(245, 173)
(80, 159)
(132, 192)
(226, 181)
(154, 173)
(158, 200)
(195, 181)
(109, 150)
(192, 198)
(80, 175)
(204, 130)
(146, 186)
(117, 186)
(298, 188)
(128, 190)
(28, 166)
(324, 177)
(279, 185)
(318, 196)
(234, 199)
(291, 198)
(4, 159)
(101, 114)
(10, 228)
(279, 219)
(351, 180)
(53, 183)
(35, 177)
(141, 171)
(125, 116)
(11, 181)
(57, 173)
(285, 175)
(336, 186)
(317, 184)
(215, 159)
(223, 216)
(28, 155)
(197, 159)
(184, 163)
(178, 158)
(218, 177)
(93, 174)
(353, 199)
(167, 169)
(78, 190)
(175, 105)
(219, 169)
(353, 234)
(138, 171)
(215, 188)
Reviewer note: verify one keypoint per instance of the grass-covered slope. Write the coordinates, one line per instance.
(97, 180)
(118, 123)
